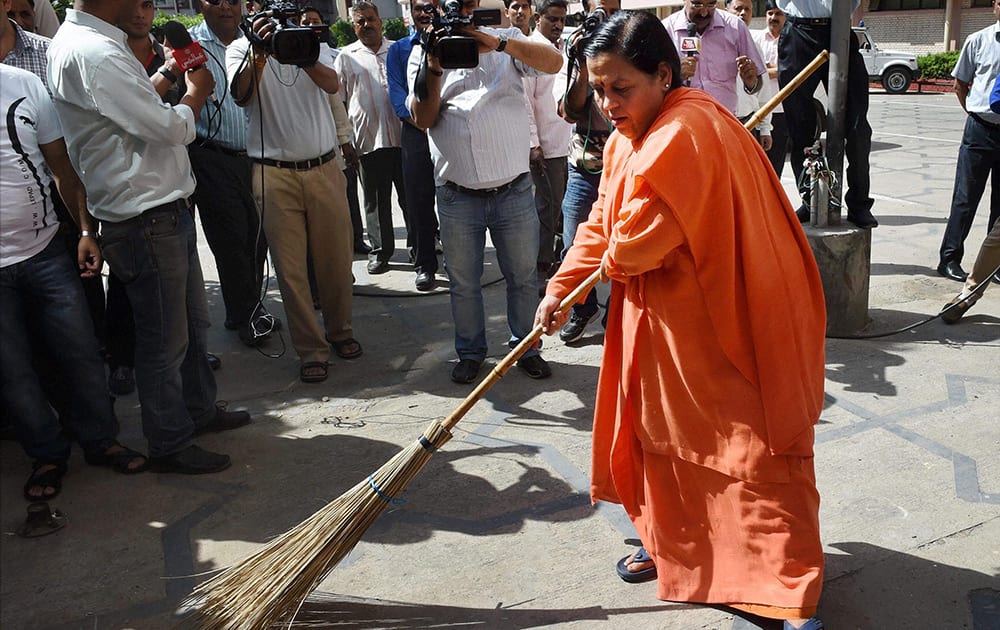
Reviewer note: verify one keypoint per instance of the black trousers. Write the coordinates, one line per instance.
(978, 161)
(231, 224)
(418, 184)
(799, 44)
(381, 169)
(779, 142)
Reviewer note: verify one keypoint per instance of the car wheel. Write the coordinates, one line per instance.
(896, 80)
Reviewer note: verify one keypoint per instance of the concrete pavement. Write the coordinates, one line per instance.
(497, 531)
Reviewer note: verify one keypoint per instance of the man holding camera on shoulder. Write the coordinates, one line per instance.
(479, 140)
(296, 181)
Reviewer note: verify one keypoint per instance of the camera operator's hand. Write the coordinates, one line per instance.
(263, 27)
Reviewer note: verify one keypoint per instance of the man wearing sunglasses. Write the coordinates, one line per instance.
(418, 170)
(225, 204)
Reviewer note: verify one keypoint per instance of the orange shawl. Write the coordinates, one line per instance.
(714, 349)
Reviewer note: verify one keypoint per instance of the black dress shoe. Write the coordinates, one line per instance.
(466, 371)
(224, 421)
(535, 366)
(863, 220)
(802, 214)
(953, 271)
(192, 460)
(214, 361)
(375, 267)
(424, 281)
(361, 248)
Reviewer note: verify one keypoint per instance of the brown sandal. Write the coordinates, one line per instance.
(347, 348)
(313, 372)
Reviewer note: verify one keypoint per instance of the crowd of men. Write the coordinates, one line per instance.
(108, 132)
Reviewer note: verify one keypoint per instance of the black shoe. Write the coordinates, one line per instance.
(265, 323)
(361, 248)
(224, 421)
(953, 271)
(250, 338)
(214, 362)
(192, 460)
(466, 371)
(573, 330)
(121, 382)
(863, 219)
(535, 366)
(375, 267)
(424, 281)
(802, 214)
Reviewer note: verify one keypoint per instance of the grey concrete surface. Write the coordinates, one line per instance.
(498, 531)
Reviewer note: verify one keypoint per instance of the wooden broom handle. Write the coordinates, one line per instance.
(505, 364)
(814, 65)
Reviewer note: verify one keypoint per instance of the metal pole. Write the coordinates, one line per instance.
(840, 31)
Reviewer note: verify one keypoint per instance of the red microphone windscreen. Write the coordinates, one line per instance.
(187, 53)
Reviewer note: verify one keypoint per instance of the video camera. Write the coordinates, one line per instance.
(290, 43)
(452, 50)
(581, 38)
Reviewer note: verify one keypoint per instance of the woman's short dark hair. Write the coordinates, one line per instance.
(639, 37)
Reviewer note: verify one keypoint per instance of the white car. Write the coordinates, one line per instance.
(893, 68)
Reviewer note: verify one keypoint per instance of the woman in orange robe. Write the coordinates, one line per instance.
(713, 367)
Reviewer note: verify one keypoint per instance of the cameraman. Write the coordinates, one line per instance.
(592, 129)
(299, 187)
(478, 131)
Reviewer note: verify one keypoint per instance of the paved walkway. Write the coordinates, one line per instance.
(498, 531)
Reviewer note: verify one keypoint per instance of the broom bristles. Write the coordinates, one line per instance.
(271, 584)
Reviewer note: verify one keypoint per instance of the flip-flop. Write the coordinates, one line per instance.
(813, 624)
(635, 577)
(41, 520)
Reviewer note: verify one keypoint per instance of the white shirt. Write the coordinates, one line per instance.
(28, 220)
(297, 121)
(128, 146)
(747, 104)
(548, 130)
(768, 45)
(979, 64)
(480, 139)
(366, 92)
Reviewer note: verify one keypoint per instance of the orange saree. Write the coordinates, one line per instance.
(713, 367)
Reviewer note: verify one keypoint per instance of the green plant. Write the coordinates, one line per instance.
(343, 32)
(162, 18)
(394, 28)
(938, 65)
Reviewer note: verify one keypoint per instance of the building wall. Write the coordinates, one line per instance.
(918, 31)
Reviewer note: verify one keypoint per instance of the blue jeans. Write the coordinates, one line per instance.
(978, 161)
(581, 193)
(513, 224)
(156, 256)
(42, 304)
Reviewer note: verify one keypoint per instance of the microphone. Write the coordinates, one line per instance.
(187, 53)
(691, 44)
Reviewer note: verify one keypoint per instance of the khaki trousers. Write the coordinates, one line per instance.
(307, 211)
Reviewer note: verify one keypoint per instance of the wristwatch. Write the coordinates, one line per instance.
(502, 44)
(170, 76)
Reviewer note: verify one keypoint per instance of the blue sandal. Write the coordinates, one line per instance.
(813, 624)
(635, 577)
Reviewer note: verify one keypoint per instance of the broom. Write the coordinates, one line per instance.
(270, 585)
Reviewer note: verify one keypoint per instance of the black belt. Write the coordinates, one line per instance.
(486, 192)
(177, 205)
(982, 121)
(303, 165)
(810, 21)
(205, 143)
